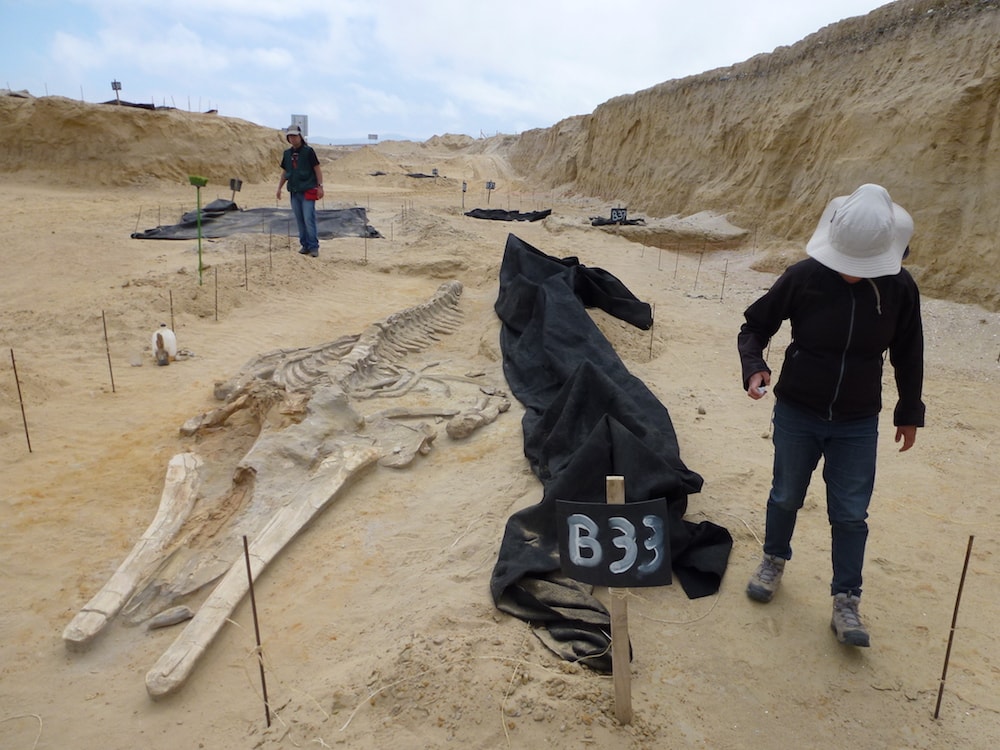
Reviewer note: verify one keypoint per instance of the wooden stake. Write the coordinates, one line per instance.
(216, 294)
(107, 348)
(697, 273)
(256, 631)
(725, 271)
(24, 419)
(954, 620)
(171, 293)
(621, 669)
(246, 269)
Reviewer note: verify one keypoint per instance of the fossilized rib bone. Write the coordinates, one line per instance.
(311, 444)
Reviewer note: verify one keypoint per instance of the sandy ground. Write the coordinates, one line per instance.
(377, 625)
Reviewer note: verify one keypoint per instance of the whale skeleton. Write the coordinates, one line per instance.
(311, 444)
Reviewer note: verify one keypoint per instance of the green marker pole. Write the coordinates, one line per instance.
(199, 183)
(197, 190)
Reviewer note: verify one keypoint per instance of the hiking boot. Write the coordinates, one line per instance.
(764, 582)
(846, 622)
(304, 251)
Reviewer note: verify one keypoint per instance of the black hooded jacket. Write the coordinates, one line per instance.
(840, 334)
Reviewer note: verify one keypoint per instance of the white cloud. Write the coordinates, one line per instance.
(406, 66)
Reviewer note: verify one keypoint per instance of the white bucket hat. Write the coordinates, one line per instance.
(863, 234)
(293, 130)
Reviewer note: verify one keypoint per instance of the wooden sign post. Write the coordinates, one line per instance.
(618, 545)
(621, 668)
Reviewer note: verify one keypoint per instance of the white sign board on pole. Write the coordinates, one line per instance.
(303, 122)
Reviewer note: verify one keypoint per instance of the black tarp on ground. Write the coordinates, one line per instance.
(586, 417)
(601, 221)
(222, 218)
(497, 214)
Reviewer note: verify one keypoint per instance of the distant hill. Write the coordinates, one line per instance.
(361, 140)
(120, 145)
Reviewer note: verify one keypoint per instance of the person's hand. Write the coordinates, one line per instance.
(757, 385)
(278, 194)
(908, 434)
(319, 191)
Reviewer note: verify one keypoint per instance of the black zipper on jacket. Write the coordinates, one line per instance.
(843, 357)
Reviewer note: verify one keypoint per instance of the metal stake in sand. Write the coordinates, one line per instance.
(107, 348)
(621, 670)
(954, 620)
(20, 399)
(199, 183)
(256, 632)
(652, 314)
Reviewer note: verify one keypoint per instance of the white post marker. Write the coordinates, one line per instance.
(621, 669)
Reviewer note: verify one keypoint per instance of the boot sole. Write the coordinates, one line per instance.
(759, 595)
(852, 637)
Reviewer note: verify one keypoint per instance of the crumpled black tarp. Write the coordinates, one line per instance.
(603, 221)
(586, 418)
(222, 218)
(497, 214)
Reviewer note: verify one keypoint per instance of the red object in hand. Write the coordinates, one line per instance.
(312, 194)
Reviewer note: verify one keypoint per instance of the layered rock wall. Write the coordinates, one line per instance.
(907, 96)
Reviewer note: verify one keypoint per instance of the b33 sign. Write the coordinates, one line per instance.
(621, 546)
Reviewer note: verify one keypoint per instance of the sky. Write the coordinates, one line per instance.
(391, 68)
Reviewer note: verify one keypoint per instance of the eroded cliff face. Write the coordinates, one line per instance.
(907, 96)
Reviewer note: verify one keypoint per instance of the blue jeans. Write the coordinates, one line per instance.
(305, 218)
(848, 450)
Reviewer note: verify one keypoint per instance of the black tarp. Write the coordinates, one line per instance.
(586, 418)
(602, 221)
(497, 214)
(222, 218)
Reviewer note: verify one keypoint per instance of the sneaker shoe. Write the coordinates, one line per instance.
(304, 251)
(764, 582)
(846, 622)
(314, 253)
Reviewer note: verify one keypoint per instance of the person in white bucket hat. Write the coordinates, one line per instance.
(848, 303)
(863, 234)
